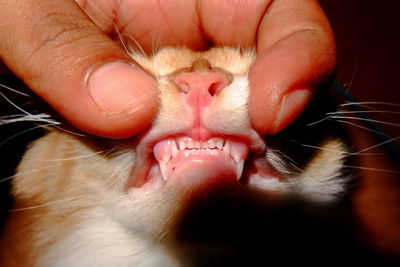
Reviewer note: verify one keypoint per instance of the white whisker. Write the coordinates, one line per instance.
(121, 39)
(365, 119)
(73, 158)
(362, 112)
(369, 103)
(141, 50)
(359, 126)
(43, 117)
(14, 90)
(323, 119)
(380, 144)
(43, 205)
(24, 173)
(336, 151)
(40, 119)
(371, 169)
(23, 132)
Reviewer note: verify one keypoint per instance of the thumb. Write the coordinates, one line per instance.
(67, 60)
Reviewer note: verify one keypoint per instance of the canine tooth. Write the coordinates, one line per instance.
(168, 151)
(239, 168)
(227, 148)
(163, 169)
(235, 156)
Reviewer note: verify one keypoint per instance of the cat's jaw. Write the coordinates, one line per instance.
(168, 159)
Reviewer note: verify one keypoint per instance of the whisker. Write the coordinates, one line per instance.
(73, 158)
(371, 169)
(24, 111)
(292, 163)
(380, 144)
(41, 205)
(121, 39)
(20, 118)
(23, 132)
(333, 150)
(14, 90)
(39, 119)
(369, 103)
(365, 119)
(363, 111)
(361, 127)
(155, 44)
(321, 120)
(141, 50)
(24, 173)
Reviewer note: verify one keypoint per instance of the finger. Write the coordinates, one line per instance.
(296, 51)
(60, 53)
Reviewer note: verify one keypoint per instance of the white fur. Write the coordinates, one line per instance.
(101, 241)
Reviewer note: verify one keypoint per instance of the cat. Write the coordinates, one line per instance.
(200, 187)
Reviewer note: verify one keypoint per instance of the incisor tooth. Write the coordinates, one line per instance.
(189, 142)
(219, 143)
(211, 143)
(239, 169)
(197, 144)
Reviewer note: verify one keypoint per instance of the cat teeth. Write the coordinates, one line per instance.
(175, 149)
(185, 143)
(239, 169)
(168, 149)
(227, 148)
(163, 169)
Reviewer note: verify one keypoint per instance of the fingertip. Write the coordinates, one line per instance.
(280, 111)
(117, 100)
(292, 104)
(119, 87)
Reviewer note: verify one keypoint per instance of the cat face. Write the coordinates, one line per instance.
(126, 196)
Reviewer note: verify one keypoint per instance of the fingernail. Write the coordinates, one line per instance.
(291, 106)
(116, 87)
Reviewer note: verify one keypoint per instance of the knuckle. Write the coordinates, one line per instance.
(57, 31)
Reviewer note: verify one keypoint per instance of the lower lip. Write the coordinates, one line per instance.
(194, 169)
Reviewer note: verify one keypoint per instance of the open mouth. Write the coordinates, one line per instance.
(186, 160)
(176, 155)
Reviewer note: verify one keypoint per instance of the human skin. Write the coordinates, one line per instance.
(66, 52)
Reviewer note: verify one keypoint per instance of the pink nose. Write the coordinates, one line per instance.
(199, 89)
(201, 83)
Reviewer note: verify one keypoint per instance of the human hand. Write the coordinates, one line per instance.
(64, 51)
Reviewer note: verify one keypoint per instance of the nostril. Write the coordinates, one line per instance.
(215, 88)
(183, 86)
(201, 82)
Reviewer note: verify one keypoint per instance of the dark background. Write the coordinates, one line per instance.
(368, 41)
